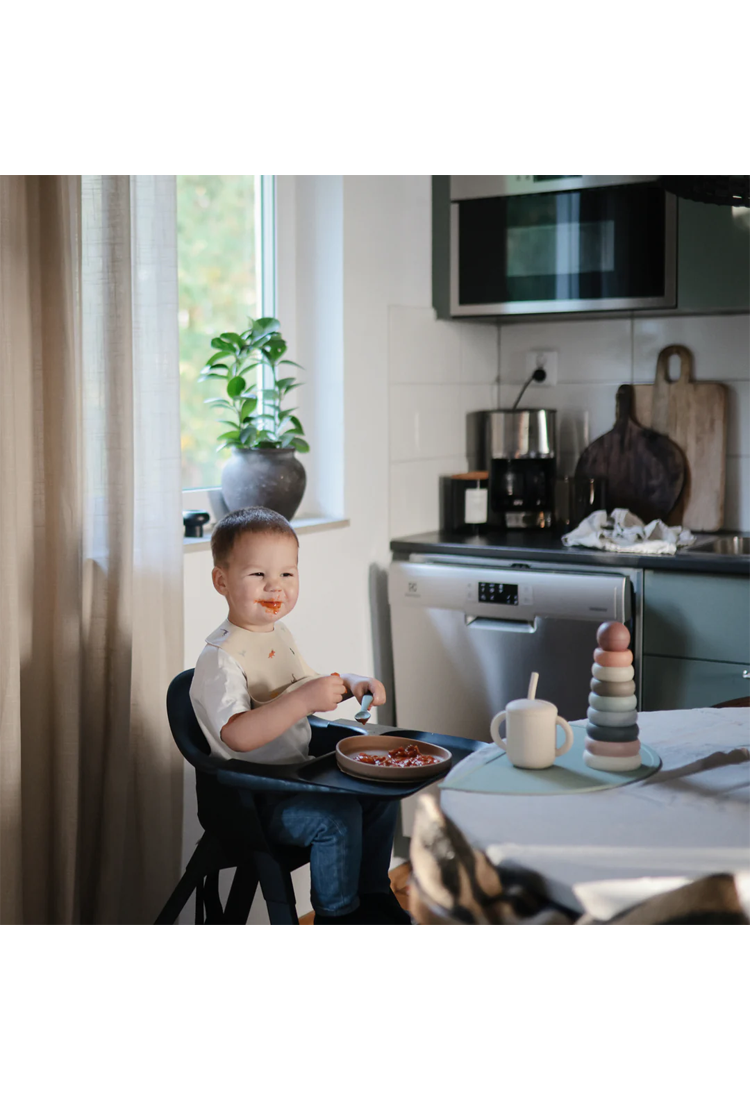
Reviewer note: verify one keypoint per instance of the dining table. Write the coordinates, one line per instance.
(599, 851)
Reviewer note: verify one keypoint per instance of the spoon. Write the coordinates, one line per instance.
(363, 714)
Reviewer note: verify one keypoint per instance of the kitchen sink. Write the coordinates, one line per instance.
(722, 544)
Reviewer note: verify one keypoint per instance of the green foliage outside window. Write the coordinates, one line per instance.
(219, 280)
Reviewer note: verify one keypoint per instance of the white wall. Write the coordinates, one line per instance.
(595, 357)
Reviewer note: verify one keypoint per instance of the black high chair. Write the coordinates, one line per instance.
(234, 837)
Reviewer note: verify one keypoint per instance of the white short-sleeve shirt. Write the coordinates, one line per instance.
(241, 670)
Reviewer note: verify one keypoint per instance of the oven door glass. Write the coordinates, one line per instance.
(598, 248)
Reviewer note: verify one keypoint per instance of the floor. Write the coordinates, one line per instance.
(399, 884)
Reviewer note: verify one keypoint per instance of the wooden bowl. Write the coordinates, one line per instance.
(350, 747)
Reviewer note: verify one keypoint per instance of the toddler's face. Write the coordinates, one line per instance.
(260, 580)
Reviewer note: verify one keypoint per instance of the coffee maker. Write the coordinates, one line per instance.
(520, 452)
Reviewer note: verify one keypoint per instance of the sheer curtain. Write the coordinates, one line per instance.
(90, 548)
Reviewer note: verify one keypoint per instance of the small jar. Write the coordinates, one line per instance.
(463, 503)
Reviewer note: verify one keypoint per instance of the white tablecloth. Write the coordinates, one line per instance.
(690, 819)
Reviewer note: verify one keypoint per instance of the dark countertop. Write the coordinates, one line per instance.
(546, 546)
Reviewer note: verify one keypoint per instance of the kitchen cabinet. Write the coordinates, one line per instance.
(671, 683)
(696, 640)
(713, 261)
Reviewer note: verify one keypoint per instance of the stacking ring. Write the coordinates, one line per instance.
(621, 748)
(612, 717)
(611, 687)
(617, 675)
(612, 763)
(613, 702)
(620, 658)
(612, 734)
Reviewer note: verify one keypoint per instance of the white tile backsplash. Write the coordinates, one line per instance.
(594, 357)
(425, 422)
(422, 349)
(720, 345)
(414, 493)
(440, 370)
(476, 398)
(586, 350)
(480, 352)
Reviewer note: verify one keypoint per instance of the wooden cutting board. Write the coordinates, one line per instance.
(645, 470)
(694, 416)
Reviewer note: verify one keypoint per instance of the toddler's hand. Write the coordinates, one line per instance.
(325, 693)
(372, 687)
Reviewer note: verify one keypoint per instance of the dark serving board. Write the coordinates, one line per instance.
(644, 470)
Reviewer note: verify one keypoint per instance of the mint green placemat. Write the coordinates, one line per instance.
(495, 774)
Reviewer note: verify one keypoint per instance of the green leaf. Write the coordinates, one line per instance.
(220, 401)
(264, 326)
(232, 338)
(247, 435)
(291, 363)
(299, 430)
(267, 444)
(236, 386)
(223, 345)
(284, 383)
(248, 366)
(275, 348)
(215, 359)
(270, 395)
(300, 445)
(230, 436)
(286, 439)
(248, 407)
(293, 386)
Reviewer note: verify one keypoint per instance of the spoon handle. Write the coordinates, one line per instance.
(363, 714)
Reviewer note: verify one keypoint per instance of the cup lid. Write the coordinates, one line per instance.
(531, 704)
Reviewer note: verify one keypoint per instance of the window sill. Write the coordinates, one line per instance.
(302, 526)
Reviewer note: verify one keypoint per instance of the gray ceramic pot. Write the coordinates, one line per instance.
(264, 478)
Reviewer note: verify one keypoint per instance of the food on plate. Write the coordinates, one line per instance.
(405, 756)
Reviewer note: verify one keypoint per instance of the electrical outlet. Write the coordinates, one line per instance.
(547, 360)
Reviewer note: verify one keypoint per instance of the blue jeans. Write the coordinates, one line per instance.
(350, 838)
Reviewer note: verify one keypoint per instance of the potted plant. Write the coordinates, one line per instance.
(264, 437)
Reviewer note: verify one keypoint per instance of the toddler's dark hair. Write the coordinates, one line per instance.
(254, 521)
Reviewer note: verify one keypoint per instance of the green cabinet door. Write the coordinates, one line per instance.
(696, 616)
(670, 683)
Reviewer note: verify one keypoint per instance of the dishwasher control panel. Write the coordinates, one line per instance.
(490, 592)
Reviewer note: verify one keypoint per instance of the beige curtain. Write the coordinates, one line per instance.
(90, 548)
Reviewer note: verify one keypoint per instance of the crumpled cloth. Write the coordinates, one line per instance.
(626, 533)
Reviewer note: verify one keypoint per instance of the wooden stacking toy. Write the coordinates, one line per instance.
(612, 743)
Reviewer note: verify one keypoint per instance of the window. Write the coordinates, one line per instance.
(226, 262)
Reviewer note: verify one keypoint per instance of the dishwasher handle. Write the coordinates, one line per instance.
(505, 626)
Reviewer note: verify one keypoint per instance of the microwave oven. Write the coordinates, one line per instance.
(561, 244)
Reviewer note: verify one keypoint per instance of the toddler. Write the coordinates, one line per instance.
(252, 692)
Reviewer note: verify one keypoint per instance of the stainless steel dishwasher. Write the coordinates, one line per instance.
(468, 632)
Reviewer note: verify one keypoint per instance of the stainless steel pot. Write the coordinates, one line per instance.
(521, 433)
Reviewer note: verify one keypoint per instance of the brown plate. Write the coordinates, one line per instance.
(350, 747)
